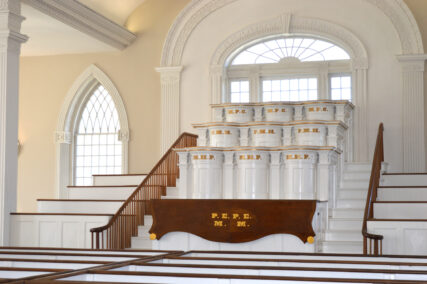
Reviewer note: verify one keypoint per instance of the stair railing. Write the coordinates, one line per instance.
(117, 234)
(374, 242)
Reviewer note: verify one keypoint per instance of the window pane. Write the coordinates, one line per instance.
(301, 89)
(239, 91)
(96, 136)
(340, 88)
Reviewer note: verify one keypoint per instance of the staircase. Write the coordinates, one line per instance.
(65, 222)
(345, 221)
(400, 213)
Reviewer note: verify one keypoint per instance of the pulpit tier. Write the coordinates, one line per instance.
(271, 134)
(291, 172)
(284, 112)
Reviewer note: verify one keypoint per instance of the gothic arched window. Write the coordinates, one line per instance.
(97, 148)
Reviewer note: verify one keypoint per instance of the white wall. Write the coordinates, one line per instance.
(363, 19)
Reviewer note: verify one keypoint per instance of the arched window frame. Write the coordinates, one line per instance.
(74, 103)
(286, 69)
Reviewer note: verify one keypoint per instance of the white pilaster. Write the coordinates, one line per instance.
(360, 91)
(10, 47)
(228, 174)
(185, 175)
(413, 112)
(170, 91)
(216, 74)
(275, 175)
(63, 177)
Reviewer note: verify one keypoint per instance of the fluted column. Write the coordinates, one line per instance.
(170, 91)
(10, 48)
(360, 89)
(413, 112)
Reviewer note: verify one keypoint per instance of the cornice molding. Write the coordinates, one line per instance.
(197, 10)
(86, 20)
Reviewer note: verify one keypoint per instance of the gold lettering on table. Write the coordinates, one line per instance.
(236, 216)
(203, 157)
(224, 216)
(308, 130)
(218, 132)
(250, 157)
(317, 109)
(297, 157)
(246, 216)
(264, 131)
(214, 215)
(241, 223)
(236, 111)
(218, 223)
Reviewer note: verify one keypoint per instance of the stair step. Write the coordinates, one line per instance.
(402, 194)
(400, 210)
(107, 192)
(122, 179)
(347, 213)
(352, 193)
(355, 183)
(141, 243)
(342, 247)
(404, 179)
(356, 175)
(172, 192)
(351, 203)
(353, 224)
(357, 167)
(343, 235)
(78, 206)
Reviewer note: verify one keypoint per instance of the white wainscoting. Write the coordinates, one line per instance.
(401, 237)
(69, 231)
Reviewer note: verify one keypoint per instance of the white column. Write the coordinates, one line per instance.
(63, 155)
(185, 175)
(326, 176)
(275, 175)
(360, 94)
(413, 112)
(10, 48)
(228, 174)
(170, 92)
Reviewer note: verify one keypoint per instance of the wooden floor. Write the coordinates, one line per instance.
(43, 265)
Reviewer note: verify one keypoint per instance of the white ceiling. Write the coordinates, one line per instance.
(48, 36)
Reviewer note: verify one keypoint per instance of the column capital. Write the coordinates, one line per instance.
(171, 73)
(360, 63)
(412, 62)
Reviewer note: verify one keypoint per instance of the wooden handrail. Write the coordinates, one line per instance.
(375, 241)
(124, 224)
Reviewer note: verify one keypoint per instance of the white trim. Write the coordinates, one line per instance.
(197, 10)
(84, 19)
(76, 95)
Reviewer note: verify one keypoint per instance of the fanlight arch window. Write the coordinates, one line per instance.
(299, 49)
(289, 68)
(98, 149)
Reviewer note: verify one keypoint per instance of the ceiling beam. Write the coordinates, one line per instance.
(86, 20)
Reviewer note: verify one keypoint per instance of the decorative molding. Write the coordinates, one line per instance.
(197, 10)
(170, 90)
(62, 137)
(404, 22)
(84, 19)
(296, 25)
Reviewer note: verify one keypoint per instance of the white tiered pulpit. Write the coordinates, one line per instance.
(275, 151)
